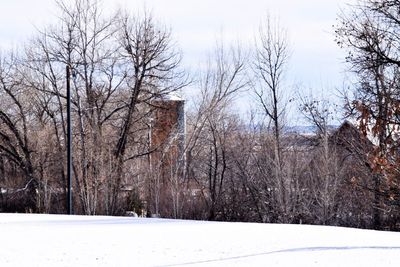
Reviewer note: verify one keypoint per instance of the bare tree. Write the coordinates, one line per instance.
(207, 143)
(270, 62)
(152, 71)
(82, 42)
(325, 171)
(16, 127)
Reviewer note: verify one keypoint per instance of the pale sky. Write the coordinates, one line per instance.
(316, 61)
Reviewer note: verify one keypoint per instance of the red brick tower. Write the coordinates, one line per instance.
(167, 140)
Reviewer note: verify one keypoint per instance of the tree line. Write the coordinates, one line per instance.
(230, 168)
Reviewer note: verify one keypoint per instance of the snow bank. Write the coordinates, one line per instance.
(57, 240)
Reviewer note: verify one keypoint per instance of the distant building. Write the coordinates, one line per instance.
(167, 137)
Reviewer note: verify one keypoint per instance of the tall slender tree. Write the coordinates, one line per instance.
(271, 58)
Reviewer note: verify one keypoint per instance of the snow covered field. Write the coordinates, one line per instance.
(57, 240)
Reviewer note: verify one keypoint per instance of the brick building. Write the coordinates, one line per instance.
(167, 162)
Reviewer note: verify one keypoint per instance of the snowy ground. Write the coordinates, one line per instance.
(50, 240)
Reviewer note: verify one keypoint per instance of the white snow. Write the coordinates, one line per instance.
(59, 240)
(172, 96)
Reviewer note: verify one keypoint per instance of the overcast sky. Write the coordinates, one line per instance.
(316, 61)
